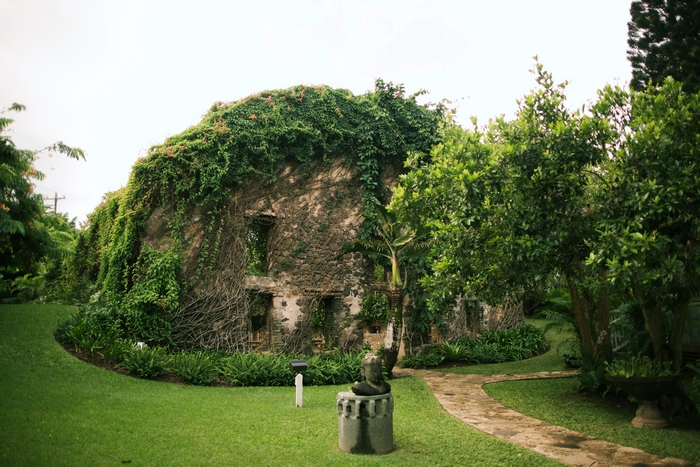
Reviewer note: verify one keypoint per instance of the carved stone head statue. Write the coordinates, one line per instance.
(371, 371)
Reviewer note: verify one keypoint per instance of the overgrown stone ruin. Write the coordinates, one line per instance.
(291, 231)
(295, 228)
(227, 235)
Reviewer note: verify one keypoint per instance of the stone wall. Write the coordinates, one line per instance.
(310, 214)
(471, 318)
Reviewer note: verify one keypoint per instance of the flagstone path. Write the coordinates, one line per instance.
(463, 397)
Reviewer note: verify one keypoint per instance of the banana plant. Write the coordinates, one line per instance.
(396, 241)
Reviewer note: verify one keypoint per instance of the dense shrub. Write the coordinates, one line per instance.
(642, 366)
(249, 369)
(195, 367)
(428, 357)
(27, 288)
(146, 362)
(89, 334)
(491, 347)
(528, 338)
(454, 352)
(115, 350)
(333, 367)
(97, 330)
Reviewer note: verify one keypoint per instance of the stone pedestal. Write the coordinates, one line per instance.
(649, 416)
(365, 423)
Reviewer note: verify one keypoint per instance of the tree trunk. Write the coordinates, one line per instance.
(676, 340)
(653, 320)
(393, 332)
(603, 307)
(584, 327)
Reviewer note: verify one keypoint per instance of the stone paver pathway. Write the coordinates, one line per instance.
(462, 396)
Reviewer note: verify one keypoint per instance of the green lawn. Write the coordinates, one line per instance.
(56, 410)
(558, 339)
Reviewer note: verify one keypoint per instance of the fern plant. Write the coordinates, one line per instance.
(146, 362)
(197, 368)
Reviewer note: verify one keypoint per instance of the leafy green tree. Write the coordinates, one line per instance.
(664, 40)
(509, 207)
(63, 280)
(605, 201)
(446, 191)
(397, 242)
(25, 242)
(650, 228)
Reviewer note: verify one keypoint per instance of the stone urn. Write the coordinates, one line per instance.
(647, 390)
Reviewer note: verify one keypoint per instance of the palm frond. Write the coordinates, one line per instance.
(403, 239)
(374, 248)
(420, 252)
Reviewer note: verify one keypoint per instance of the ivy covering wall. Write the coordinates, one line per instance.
(236, 144)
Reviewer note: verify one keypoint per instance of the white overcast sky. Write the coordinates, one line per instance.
(115, 77)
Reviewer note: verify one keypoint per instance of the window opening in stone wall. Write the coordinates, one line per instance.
(257, 240)
(260, 306)
(375, 311)
(322, 323)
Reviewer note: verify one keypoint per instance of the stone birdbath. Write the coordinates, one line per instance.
(647, 390)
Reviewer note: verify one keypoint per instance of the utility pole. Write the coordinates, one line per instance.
(55, 201)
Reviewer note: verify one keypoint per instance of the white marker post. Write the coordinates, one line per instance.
(299, 382)
(298, 366)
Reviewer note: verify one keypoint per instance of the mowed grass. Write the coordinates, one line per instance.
(558, 338)
(56, 410)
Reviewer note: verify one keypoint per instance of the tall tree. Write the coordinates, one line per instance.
(606, 200)
(649, 227)
(24, 240)
(664, 40)
(509, 207)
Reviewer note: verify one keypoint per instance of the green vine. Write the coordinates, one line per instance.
(153, 297)
(375, 307)
(256, 247)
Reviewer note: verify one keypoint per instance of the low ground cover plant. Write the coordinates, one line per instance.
(88, 334)
(491, 347)
(97, 332)
(196, 367)
(250, 369)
